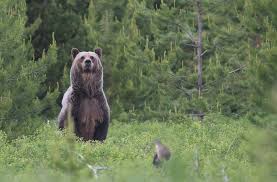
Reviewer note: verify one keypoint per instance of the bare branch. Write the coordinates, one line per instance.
(192, 45)
(94, 169)
(238, 69)
(204, 52)
(189, 34)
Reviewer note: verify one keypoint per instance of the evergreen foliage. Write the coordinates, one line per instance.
(64, 18)
(150, 55)
(21, 77)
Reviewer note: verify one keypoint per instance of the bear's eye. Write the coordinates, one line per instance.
(83, 57)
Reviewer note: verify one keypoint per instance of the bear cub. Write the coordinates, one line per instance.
(85, 100)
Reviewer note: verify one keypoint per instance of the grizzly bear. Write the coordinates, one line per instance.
(85, 100)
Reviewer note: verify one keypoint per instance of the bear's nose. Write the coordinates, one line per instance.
(87, 62)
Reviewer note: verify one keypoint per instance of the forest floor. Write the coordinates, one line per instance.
(216, 149)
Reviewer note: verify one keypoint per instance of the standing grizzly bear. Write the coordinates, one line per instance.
(85, 100)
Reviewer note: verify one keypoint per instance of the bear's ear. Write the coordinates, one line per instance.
(74, 52)
(98, 51)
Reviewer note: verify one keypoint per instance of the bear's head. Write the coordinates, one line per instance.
(86, 72)
(87, 62)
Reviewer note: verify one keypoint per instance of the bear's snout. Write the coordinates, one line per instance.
(87, 62)
(88, 65)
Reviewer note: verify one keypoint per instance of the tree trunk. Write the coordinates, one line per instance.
(199, 45)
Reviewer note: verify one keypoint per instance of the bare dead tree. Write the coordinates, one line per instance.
(199, 45)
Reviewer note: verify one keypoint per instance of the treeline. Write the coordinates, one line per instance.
(149, 48)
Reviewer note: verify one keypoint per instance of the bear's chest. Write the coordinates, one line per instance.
(88, 114)
(90, 111)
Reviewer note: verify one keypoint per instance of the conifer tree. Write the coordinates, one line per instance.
(65, 19)
(20, 76)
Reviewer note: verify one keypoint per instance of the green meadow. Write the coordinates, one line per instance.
(216, 149)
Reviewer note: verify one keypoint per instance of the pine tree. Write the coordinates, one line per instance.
(20, 77)
(64, 18)
(235, 36)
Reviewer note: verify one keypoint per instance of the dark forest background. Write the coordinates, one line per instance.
(150, 67)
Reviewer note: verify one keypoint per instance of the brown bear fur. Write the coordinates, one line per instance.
(85, 99)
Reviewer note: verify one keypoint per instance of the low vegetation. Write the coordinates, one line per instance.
(217, 149)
